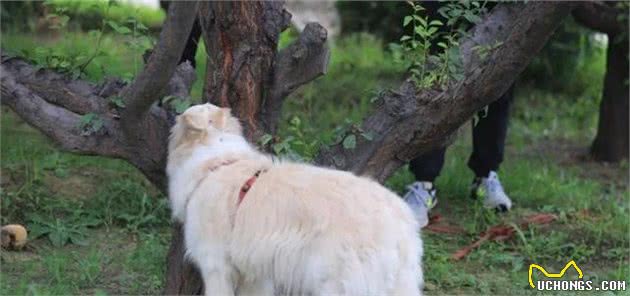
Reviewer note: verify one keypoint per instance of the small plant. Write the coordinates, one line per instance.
(75, 60)
(58, 60)
(431, 51)
(89, 267)
(347, 134)
(90, 124)
(295, 146)
(484, 50)
(148, 212)
(126, 203)
(117, 101)
(62, 231)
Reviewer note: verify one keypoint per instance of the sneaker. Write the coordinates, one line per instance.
(492, 193)
(421, 199)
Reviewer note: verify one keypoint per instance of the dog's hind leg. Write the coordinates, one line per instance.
(408, 285)
(409, 281)
(257, 288)
(218, 281)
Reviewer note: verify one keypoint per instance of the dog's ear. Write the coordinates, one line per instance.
(193, 122)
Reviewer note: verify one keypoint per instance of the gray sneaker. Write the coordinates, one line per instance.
(491, 191)
(421, 199)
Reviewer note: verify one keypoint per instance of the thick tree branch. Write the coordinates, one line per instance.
(299, 63)
(409, 122)
(55, 88)
(600, 16)
(55, 121)
(54, 104)
(149, 84)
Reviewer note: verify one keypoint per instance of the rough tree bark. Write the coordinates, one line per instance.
(612, 139)
(247, 74)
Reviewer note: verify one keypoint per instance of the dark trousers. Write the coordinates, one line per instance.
(488, 143)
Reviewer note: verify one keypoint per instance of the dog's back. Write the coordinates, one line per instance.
(311, 230)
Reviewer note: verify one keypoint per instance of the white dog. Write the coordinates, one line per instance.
(255, 227)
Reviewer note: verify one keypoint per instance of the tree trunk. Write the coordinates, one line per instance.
(240, 51)
(611, 141)
(246, 73)
(241, 40)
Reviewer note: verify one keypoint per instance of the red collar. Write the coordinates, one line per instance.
(247, 186)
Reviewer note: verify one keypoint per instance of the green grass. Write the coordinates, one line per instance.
(82, 15)
(99, 227)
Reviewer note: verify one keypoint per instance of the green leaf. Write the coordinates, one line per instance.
(368, 136)
(86, 119)
(472, 18)
(118, 28)
(295, 121)
(58, 237)
(64, 64)
(181, 106)
(265, 139)
(422, 21)
(140, 26)
(78, 240)
(117, 101)
(36, 230)
(97, 124)
(350, 142)
(436, 23)
(61, 172)
(90, 123)
(407, 20)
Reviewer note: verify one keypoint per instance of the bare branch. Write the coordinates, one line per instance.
(409, 122)
(299, 63)
(600, 16)
(150, 83)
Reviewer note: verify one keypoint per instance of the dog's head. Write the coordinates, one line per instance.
(200, 122)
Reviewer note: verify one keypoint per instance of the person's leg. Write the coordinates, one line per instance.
(191, 45)
(488, 147)
(427, 167)
(489, 136)
(421, 196)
